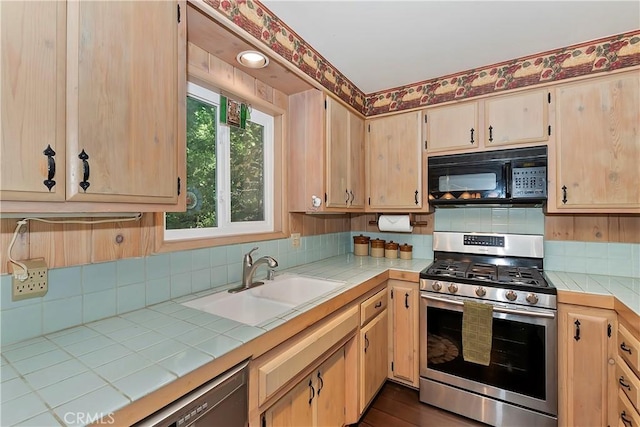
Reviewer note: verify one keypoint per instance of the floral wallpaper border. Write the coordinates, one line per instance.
(586, 58)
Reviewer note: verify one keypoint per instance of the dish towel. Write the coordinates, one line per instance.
(477, 322)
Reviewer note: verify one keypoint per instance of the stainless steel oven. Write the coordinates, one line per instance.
(519, 385)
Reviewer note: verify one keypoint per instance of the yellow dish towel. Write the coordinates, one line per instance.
(477, 322)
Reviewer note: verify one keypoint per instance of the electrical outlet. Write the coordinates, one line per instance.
(295, 240)
(35, 285)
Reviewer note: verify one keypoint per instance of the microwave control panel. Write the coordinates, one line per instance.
(529, 182)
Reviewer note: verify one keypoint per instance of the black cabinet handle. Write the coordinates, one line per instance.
(623, 417)
(623, 384)
(577, 335)
(313, 392)
(416, 196)
(85, 170)
(346, 201)
(51, 167)
(564, 194)
(624, 347)
(472, 135)
(352, 196)
(490, 133)
(366, 343)
(378, 305)
(321, 383)
(406, 300)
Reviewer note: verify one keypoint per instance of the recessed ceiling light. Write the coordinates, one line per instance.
(252, 59)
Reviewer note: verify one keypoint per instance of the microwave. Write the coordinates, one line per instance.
(513, 176)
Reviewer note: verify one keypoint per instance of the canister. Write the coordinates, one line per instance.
(361, 245)
(377, 248)
(391, 250)
(406, 251)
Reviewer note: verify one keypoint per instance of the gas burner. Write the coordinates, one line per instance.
(521, 276)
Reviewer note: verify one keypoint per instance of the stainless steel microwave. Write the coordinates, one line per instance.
(513, 176)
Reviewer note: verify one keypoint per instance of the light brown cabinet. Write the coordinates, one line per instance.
(394, 171)
(404, 298)
(586, 366)
(326, 155)
(497, 121)
(452, 127)
(373, 349)
(518, 118)
(108, 97)
(317, 400)
(597, 149)
(628, 377)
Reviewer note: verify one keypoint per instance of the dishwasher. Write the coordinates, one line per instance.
(221, 402)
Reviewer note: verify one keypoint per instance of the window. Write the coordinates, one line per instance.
(230, 189)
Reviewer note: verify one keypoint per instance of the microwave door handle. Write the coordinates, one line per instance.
(507, 179)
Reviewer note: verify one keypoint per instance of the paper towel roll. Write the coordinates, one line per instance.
(396, 223)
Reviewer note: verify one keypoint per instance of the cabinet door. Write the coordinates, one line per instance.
(356, 163)
(32, 48)
(338, 158)
(598, 144)
(453, 127)
(295, 408)
(123, 97)
(394, 170)
(586, 366)
(519, 118)
(330, 385)
(373, 362)
(403, 332)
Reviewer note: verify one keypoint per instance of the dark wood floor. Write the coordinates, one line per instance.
(399, 406)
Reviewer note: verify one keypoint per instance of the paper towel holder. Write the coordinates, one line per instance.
(411, 221)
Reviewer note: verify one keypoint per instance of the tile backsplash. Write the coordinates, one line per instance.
(490, 220)
(86, 293)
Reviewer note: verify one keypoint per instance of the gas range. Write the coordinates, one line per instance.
(498, 268)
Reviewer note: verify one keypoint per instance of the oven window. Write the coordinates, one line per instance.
(467, 182)
(517, 353)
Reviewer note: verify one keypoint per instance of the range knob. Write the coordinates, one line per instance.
(480, 291)
(532, 299)
(453, 288)
(511, 296)
(436, 286)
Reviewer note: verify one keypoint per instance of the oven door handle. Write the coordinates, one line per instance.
(495, 308)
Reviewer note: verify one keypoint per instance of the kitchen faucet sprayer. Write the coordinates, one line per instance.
(249, 268)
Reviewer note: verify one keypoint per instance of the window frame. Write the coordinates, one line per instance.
(277, 108)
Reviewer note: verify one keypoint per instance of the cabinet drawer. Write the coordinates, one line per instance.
(628, 382)
(629, 348)
(373, 306)
(627, 414)
(283, 367)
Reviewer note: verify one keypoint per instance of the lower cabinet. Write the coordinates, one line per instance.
(628, 375)
(586, 366)
(314, 401)
(373, 357)
(404, 298)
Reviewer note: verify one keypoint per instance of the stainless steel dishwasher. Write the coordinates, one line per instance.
(222, 402)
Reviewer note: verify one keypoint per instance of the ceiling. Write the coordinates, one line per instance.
(380, 45)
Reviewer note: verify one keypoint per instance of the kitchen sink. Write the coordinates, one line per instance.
(264, 302)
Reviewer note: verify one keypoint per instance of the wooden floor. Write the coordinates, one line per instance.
(398, 406)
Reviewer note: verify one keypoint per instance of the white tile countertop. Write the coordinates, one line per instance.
(102, 366)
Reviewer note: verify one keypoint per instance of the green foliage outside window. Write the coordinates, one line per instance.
(246, 170)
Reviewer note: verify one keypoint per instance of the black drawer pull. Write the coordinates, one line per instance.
(321, 386)
(51, 167)
(366, 343)
(378, 305)
(472, 135)
(84, 184)
(623, 384)
(577, 335)
(623, 417)
(624, 347)
(313, 392)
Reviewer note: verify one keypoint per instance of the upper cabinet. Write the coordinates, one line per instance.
(499, 121)
(453, 127)
(108, 96)
(395, 163)
(326, 155)
(517, 118)
(597, 146)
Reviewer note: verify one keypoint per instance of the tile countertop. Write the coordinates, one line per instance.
(100, 367)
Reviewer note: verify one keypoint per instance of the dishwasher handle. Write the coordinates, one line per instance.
(204, 399)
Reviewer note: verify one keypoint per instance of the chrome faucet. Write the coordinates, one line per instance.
(249, 270)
